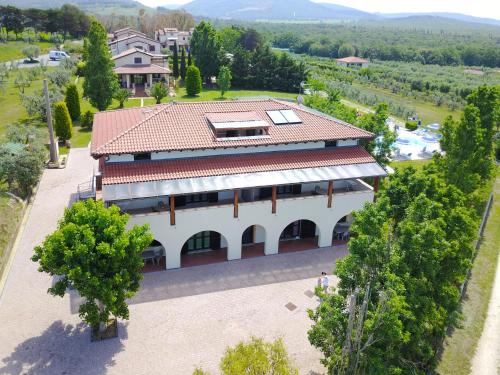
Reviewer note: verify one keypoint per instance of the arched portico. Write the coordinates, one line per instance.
(203, 248)
(253, 241)
(299, 235)
(154, 257)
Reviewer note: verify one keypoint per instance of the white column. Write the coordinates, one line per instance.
(272, 243)
(173, 257)
(233, 246)
(150, 80)
(127, 76)
(325, 234)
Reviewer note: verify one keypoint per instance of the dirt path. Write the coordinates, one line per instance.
(486, 361)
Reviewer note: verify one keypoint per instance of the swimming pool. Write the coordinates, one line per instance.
(408, 140)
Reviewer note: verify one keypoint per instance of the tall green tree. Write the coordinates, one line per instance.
(175, 62)
(11, 18)
(257, 357)
(190, 59)
(465, 157)
(346, 50)
(205, 46)
(381, 146)
(193, 81)
(224, 80)
(183, 65)
(100, 80)
(92, 252)
(72, 100)
(63, 125)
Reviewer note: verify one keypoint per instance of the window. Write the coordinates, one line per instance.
(138, 47)
(199, 241)
(284, 189)
(196, 198)
(331, 144)
(144, 156)
(152, 48)
(137, 60)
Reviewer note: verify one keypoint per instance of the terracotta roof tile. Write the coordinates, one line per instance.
(141, 69)
(119, 173)
(184, 126)
(352, 59)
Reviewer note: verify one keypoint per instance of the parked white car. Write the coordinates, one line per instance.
(58, 55)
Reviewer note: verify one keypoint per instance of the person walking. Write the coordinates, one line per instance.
(325, 283)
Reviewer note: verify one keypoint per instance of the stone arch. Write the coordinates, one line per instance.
(204, 247)
(154, 256)
(299, 235)
(340, 231)
(253, 241)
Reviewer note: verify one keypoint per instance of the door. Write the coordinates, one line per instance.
(247, 237)
(307, 229)
(199, 241)
(291, 231)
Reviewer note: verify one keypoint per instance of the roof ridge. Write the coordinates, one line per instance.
(112, 140)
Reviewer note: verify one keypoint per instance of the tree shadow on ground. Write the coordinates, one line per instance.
(63, 349)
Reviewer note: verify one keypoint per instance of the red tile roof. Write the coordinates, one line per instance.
(141, 69)
(120, 173)
(184, 126)
(352, 59)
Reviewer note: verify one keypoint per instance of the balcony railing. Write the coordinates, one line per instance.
(352, 186)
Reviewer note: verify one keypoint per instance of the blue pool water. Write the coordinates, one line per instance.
(410, 141)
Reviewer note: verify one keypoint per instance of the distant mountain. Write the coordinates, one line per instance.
(454, 16)
(347, 12)
(270, 10)
(84, 4)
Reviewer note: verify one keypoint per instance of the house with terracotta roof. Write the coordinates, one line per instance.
(225, 180)
(138, 69)
(169, 36)
(353, 62)
(137, 41)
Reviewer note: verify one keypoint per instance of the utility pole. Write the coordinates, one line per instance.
(53, 149)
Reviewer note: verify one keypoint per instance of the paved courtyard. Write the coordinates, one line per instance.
(179, 320)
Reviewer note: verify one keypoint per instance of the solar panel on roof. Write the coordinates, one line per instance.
(291, 116)
(277, 117)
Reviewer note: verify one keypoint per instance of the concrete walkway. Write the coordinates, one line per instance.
(179, 320)
(486, 360)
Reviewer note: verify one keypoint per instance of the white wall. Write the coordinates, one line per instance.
(220, 218)
(347, 142)
(221, 151)
(129, 59)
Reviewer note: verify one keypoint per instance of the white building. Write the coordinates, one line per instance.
(353, 62)
(234, 179)
(137, 41)
(167, 37)
(139, 69)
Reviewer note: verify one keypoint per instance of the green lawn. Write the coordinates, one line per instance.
(460, 347)
(11, 211)
(10, 103)
(212, 94)
(14, 50)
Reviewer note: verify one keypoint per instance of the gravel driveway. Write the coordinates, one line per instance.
(179, 320)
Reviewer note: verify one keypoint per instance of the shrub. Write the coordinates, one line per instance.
(72, 100)
(158, 91)
(80, 69)
(31, 52)
(87, 119)
(122, 96)
(411, 125)
(62, 121)
(193, 81)
(59, 77)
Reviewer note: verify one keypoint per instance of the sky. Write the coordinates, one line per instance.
(478, 8)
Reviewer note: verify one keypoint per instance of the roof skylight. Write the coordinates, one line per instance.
(284, 116)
